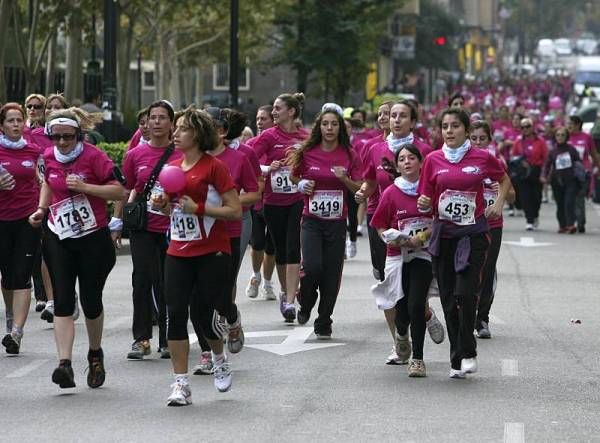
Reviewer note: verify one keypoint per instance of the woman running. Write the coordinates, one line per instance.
(481, 137)
(199, 254)
(408, 265)
(282, 201)
(19, 241)
(79, 179)
(451, 185)
(324, 168)
(149, 245)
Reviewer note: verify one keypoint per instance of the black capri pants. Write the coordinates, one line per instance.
(378, 251)
(261, 237)
(19, 246)
(203, 278)
(284, 225)
(88, 259)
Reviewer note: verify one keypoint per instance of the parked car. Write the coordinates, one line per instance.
(545, 48)
(562, 47)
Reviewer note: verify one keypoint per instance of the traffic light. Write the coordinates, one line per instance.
(439, 41)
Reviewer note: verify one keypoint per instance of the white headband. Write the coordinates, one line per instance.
(65, 121)
(332, 107)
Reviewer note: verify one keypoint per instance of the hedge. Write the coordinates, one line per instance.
(115, 151)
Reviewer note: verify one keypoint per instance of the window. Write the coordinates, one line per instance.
(148, 80)
(221, 77)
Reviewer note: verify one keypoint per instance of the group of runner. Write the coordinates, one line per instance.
(434, 217)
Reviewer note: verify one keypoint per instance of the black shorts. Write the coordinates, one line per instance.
(19, 245)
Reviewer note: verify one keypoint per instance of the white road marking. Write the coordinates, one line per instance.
(514, 433)
(527, 242)
(496, 320)
(32, 366)
(510, 368)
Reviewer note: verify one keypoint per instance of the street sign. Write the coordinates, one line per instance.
(403, 47)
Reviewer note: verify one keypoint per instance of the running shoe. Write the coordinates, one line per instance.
(164, 352)
(76, 311)
(581, 229)
(289, 312)
(563, 230)
(139, 349)
(529, 227)
(403, 348)
(222, 374)
(511, 212)
(181, 395)
(350, 249)
(282, 301)
(48, 312)
(323, 335)
(468, 365)
(484, 330)
(303, 316)
(12, 343)
(63, 377)
(435, 328)
(416, 368)
(359, 231)
(252, 289)
(205, 366)
(235, 336)
(571, 229)
(96, 373)
(269, 293)
(457, 374)
(393, 358)
(40, 305)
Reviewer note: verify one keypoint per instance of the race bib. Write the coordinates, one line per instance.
(457, 207)
(73, 216)
(157, 189)
(326, 204)
(563, 161)
(281, 182)
(489, 197)
(410, 227)
(185, 227)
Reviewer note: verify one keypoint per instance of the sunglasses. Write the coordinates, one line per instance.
(526, 127)
(65, 137)
(30, 106)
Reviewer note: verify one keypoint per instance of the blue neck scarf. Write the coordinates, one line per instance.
(7, 143)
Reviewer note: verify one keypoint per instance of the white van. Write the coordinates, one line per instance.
(545, 49)
(587, 72)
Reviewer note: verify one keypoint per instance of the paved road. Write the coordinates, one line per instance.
(538, 378)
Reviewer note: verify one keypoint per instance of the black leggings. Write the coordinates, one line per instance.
(458, 294)
(284, 225)
(148, 251)
(530, 194)
(488, 285)
(378, 251)
(410, 309)
(352, 216)
(261, 237)
(197, 283)
(323, 244)
(88, 259)
(19, 245)
(565, 195)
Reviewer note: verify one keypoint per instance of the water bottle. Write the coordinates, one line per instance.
(3, 174)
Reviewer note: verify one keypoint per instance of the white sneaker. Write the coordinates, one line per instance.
(529, 227)
(403, 348)
(350, 249)
(468, 365)
(393, 358)
(435, 328)
(48, 312)
(457, 374)
(252, 289)
(181, 395)
(269, 293)
(222, 374)
(76, 311)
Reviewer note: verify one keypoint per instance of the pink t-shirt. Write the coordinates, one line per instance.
(275, 143)
(135, 140)
(584, 144)
(458, 184)
(37, 137)
(374, 198)
(329, 199)
(373, 168)
(395, 210)
(92, 165)
(137, 167)
(21, 201)
(243, 176)
(252, 157)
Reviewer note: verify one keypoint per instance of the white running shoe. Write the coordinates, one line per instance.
(76, 311)
(252, 289)
(223, 378)
(403, 348)
(269, 293)
(205, 366)
(393, 358)
(435, 328)
(350, 249)
(468, 365)
(48, 312)
(457, 374)
(529, 227)
(181, 395)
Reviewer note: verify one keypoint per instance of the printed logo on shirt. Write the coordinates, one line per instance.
(441, 171)
(53, 175)
(141, 168)
(5, 163)
(401, 211)
(27, 164)
(314, 168)
(278, 146)
(474, 170)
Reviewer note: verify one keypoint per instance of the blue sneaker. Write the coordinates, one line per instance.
(289, 312)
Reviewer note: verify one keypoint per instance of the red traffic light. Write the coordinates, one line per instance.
(439, 41)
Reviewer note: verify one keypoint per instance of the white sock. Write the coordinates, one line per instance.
(257, 276)
(181, 378)
(218, 358)
(267, 283)
(50, 303)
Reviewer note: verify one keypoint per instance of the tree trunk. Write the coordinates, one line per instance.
(174, 72)
(125, 57)
(199, 93)
(165, 65)
(51, 66)
(74, 70)
(4, 22)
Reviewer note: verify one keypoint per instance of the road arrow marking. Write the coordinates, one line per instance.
(527, 242)
(294, 341)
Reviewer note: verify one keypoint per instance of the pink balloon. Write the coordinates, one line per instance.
(172, 179)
